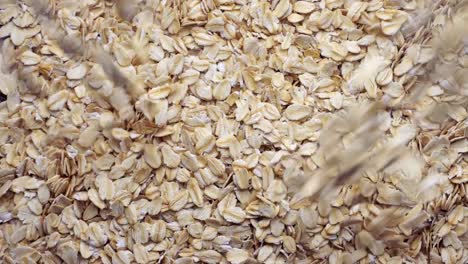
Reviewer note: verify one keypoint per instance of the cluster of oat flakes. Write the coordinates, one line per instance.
(233, 131)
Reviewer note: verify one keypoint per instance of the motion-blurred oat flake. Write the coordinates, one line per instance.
(233, 131)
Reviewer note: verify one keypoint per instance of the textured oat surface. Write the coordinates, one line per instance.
(233, 131)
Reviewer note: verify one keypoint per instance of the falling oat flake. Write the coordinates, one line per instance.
(233, 131)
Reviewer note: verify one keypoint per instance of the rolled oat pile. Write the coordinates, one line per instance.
(233, 131)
